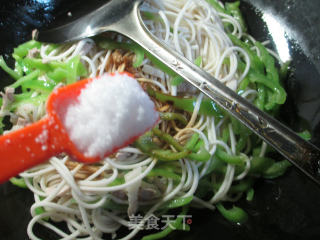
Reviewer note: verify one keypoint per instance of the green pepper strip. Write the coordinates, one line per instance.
(234, 9)
(24, 98)
(167, 155)
(270, 104)
(163, 172)
(259, 78)
(198, 61)
(111, 205)
(256, 63)
(217, 6)
(256, 151)
(261, 99)
(177, 224)
(42, 85)
(69, 72)
(150, 16)
(40, 210)
(241, 143)
(29, 77)
(277, 169)
(117, 181)
(242, 186)
(198, 145)
(242, 131)
(225, 135)
(5, 68)
(35, 63)
(139, 51)
(306, 135)
(192, 142)
(201, 156)
(235, 214)
(75, 69)
(259, 165)
(18, 68)
(177, 80)
(244, 84)
(250, 194)
(173, 116)
(145, 143)
(204, 186)
(272, 75)
(168, 138)
(57, 71)
(269, 63)
(58, 75)
(178, 202)
(207, 107)
(23, 49)
(18, 182)
(221, 154)
(24, 68)
(217, 166)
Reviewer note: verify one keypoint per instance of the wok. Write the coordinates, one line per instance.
(284, 208)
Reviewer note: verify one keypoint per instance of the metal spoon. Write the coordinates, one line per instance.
(123, 16)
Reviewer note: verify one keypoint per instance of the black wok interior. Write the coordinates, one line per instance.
(285, 208)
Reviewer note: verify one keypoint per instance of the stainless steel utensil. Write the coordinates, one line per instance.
(123, 16)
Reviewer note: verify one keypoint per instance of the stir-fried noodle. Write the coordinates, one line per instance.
(84, 196)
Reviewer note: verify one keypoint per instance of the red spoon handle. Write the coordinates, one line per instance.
(24, 148)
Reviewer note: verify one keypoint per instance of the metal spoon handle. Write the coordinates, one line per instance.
(301, 153)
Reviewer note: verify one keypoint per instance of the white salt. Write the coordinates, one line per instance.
(42, 137)
(110, 111)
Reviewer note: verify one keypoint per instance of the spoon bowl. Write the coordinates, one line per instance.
(37, 142)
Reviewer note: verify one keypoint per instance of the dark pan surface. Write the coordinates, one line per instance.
(287, 208)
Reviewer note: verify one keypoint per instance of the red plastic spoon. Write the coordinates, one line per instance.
(36, 143)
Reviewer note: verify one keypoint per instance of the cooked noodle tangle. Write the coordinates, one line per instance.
(76, 194)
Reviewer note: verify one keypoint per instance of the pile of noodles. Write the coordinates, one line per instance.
(79, 195)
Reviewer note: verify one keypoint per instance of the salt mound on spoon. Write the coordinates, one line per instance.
(111, 112)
